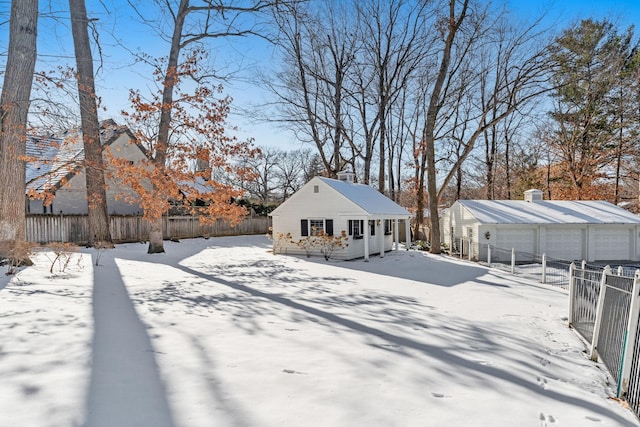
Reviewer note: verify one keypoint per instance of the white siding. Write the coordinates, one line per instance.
(71, 198)
(582, 237)
(326, 203)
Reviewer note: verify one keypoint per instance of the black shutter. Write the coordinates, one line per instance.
(372, 226)
(304, 227)
(328, 225)
(350, 227)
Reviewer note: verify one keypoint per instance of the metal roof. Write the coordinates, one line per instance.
(366, 197)
(548, 212)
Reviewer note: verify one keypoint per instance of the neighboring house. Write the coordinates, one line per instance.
(368, 218)
(570, 230)
(56, 180)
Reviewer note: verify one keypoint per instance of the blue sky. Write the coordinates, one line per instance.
(120, 30)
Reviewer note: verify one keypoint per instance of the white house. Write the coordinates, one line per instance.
(56, 180)
(369, 218)
(569, 230)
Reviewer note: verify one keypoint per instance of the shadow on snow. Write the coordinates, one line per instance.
(125, 386)
(377, 317)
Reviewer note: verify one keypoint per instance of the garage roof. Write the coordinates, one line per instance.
(548, 212)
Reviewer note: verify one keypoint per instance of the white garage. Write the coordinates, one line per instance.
(564, 229)
(520, 239)
(566, 243)
(612, 243)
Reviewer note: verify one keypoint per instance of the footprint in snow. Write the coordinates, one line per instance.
(291, 371)
(545, 362)
(440, 395)
(542, 382)
(547, 420)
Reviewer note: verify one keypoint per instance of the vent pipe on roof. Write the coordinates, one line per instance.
(346, 176)
(533, 195)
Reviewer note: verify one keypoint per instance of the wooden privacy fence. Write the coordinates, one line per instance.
(75, 228)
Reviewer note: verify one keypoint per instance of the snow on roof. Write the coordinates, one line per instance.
(368, 198)
(548, 212)
(52, 158)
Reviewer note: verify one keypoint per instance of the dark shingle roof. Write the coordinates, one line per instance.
(53, 159)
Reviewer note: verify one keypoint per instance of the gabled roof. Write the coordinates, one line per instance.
(53, 159)
(368, 198)
(548, 212)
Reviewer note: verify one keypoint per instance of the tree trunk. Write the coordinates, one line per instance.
(429, 156)
(99, 234)
(14, 108)
(156, 244)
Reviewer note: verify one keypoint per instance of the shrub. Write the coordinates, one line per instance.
(62, 255)
(15, 254)
(329, 244)
(279, 240)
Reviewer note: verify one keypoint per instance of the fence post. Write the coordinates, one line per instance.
(629, 338)
(489, 255)
(620, 271)
(599, 309)
(572, 291)
(544, 268)
(513, 260)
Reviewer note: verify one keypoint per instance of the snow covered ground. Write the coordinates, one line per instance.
(220, 332)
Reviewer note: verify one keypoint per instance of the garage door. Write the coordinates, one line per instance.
(612, 244)
(565, 243)
(522, 240)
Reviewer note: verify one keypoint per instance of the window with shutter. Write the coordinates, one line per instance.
(356, 226)
(387, 226)
(317, 226)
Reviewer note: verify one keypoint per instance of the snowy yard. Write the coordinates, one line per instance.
(220, 332)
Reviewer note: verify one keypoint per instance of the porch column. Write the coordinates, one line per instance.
(396, 238)
(381, 238)
(407, 228)
(366, 239)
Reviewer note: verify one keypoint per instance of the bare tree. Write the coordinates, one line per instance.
(320, 49)
(513, 69)
(14, 108)
(393, 48)
(190, 24)
(450, 25)
(99, 234)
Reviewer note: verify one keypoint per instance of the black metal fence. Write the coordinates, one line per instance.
(604, 305)
(610, 337)
(604, 309)
(552, 271)
(633, 391)
(584, 301)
